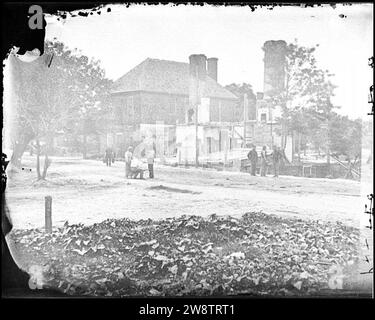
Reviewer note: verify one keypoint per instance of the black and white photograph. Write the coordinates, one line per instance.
(184, 150)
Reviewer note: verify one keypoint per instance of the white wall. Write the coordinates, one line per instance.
(185, 141)
(204, 111)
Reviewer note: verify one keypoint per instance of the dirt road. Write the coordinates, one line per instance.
(86, 191)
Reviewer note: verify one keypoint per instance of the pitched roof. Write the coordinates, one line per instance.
(171, 77)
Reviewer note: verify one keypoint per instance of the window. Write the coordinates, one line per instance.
(209, 144)
(190, 115)
(175, 106)
(263, 117)
(220, 139)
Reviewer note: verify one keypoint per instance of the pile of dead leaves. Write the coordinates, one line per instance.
(258, 254)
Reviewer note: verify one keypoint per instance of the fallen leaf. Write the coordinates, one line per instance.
(154, 292)
(173, 269)
(298, 285)
(80, 252)
(161, 258)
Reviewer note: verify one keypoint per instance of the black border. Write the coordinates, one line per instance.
(15, 31)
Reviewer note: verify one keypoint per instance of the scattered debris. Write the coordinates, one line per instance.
(258, 254)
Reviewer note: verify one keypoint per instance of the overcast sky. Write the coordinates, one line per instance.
(125, 37)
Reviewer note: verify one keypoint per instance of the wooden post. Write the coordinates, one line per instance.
(48, 214)
(226, 148)
(328, 152)
(245, 107)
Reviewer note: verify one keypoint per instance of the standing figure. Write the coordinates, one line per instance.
(128, 162)
(263, 162)
(109, 156)
(276, 158)
(150, 162)
(253, 157)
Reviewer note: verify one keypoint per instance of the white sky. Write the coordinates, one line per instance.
(125, 37)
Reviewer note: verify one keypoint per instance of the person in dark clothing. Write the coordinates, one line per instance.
(150, 162)
(276, 159)
(109, 156)
(253, 157)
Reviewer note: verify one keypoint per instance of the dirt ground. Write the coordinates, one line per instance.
(86, 191)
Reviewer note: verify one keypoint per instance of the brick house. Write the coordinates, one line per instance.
(158, 90)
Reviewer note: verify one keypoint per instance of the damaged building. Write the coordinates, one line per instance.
(154, 96)
(190, 115)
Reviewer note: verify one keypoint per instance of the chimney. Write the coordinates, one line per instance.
(197, 78)
(212, 68)
(274, 67)
(198, 65)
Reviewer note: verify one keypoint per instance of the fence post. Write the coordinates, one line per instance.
(48, 214)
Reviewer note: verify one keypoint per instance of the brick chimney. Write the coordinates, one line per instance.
(212, 68)
(197, 78)
(198, 65)
(274, 67)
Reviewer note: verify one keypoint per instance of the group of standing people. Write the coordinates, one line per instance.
(132, 170)
(277, 157)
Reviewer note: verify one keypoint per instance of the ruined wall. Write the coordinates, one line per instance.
(146, 107)
(274, 67)
(222, 110)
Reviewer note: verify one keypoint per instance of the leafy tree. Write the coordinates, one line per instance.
(55, 93)
(306, 98)
(345, 137)
(368, 138)
(240, 90)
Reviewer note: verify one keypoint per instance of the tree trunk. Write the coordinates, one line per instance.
(284, 136)
(99, 144)
(84, 146)
(299, 146)
(19, 150)
(285, 141)
(38, 159)
(293, 146)
(46, 166)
